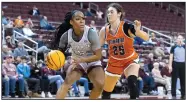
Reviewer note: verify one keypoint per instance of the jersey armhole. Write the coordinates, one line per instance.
(126, 27)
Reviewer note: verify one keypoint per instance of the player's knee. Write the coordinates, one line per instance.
(108, 88)
(99, 85)
(68, 82)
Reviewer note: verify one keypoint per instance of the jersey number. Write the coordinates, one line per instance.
(118, 49)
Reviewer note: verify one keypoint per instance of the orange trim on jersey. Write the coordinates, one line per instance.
(118, 70)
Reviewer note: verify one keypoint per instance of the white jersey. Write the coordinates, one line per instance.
(83, 47)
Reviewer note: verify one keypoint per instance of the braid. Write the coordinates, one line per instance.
(65, 26)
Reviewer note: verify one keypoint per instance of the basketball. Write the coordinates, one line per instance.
(55, 60)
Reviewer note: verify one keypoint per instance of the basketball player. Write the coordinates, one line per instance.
(122, 56)
(86, 54)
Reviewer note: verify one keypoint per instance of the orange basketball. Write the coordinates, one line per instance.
(55, 60)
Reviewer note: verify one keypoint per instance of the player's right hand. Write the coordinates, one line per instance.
(74, 66)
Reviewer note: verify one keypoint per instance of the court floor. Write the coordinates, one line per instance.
(113, 96)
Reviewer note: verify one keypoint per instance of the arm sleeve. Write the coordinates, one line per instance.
(63, 42)
(94, 39)
(127, 26)
(172, 49)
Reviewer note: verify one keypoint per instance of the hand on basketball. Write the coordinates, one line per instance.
(137, 25)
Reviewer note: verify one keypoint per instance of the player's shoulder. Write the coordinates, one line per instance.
(103, 29)
(105, 26)
(65, 34)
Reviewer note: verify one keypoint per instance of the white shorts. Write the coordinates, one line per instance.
(85, 67)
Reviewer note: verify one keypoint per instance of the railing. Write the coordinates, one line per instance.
(160, 34)
(148, 30)
(170, 32)
(15, 34)
(176, 9)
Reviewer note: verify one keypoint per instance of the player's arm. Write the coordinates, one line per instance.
(134, 30)
(63, 43)
(95, 44)
(102, 36)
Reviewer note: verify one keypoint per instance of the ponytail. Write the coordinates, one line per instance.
(65, 26)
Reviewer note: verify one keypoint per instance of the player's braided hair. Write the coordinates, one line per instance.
(65, 26)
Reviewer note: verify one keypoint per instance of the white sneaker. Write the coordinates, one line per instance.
(42, 94)
(50, 95)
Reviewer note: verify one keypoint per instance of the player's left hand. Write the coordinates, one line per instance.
(77, 60)
(137, 25)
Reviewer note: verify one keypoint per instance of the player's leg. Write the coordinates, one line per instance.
(131, 73)
(72, 76)
(111, 80)
(96, 76)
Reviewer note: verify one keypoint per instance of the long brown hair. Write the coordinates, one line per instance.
(118, 8)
